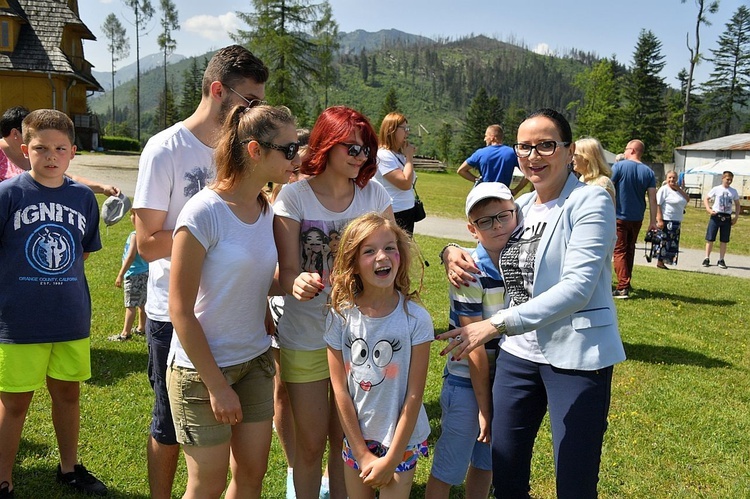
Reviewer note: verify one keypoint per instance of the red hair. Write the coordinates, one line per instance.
(333, 126)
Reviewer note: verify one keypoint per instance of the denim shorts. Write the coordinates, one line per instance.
(721, 223)
(194, 419)
(408, 461)
(457, 445)
(159, 338)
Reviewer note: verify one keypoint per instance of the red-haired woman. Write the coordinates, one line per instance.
(341, 160)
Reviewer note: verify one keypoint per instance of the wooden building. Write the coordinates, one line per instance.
(42, 63)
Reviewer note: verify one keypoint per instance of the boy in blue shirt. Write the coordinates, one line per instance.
(48, 226)
(133, 278)
(466, 398)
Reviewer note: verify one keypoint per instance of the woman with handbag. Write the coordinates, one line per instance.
(396, 169)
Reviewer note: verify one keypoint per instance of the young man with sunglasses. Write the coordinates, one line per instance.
(495, 163)
(175, 164)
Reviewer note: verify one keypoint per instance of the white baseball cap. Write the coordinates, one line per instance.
(114, 208)
(487, 190)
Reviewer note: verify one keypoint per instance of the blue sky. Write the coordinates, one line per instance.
(601, 26)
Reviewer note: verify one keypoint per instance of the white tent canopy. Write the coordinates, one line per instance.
(736, 166)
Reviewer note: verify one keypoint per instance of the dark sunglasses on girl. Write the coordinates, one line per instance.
(289, 150)
(354, 150)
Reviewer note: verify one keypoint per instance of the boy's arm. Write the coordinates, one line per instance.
(737, 209)
(479, 372)
(127, 261)
(707, 204)
(381, 471)
(109, 190)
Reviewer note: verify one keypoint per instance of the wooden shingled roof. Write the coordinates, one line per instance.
(40, 39)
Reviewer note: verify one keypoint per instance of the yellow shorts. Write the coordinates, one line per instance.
(301, 366)
(25, 367)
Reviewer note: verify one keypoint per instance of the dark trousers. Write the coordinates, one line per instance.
(159, 338)
(624, 254)
(578, 404)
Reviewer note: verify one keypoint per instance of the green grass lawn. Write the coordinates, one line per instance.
(679, 420)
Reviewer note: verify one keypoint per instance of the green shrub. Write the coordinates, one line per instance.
(120, 144)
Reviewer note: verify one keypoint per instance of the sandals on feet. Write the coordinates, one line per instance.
(119, 337)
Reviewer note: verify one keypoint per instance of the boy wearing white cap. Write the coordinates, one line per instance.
(465, 400)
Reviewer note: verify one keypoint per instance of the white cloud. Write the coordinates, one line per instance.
(105, 1)
(543, 49)
(213, 27)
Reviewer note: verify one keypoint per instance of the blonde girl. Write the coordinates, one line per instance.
(220, 379)
(590, 163)
(378, 352)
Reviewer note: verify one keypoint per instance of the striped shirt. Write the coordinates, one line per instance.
(482, 299)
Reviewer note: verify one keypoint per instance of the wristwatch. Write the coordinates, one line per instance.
(498, 321)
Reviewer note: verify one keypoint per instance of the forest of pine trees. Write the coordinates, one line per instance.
(450, 90)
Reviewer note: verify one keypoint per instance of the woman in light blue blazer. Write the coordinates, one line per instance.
(559, 336)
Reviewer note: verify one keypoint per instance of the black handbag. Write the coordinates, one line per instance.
(418, 210)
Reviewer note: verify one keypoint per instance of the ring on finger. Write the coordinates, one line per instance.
(458, 339)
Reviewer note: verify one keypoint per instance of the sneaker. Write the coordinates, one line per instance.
(706, 262)
(82, 480)
(290, 492)
(119, 337)
(5, 493)
(622, 294)
(721, 264)
(325, 493)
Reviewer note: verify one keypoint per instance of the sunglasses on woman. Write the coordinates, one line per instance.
(289, 150)
(354, 150)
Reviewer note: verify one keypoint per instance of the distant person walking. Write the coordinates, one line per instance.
(495, 162)
(633, 181)
(718, 204)
(670, 210)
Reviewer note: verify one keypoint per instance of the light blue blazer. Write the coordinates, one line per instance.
(571, 307)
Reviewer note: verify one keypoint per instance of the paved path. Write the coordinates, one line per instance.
(689, 260)
(122, 171)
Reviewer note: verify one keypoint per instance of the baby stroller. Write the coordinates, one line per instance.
(653, 240)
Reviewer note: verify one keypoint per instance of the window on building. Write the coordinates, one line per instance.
(4, 35)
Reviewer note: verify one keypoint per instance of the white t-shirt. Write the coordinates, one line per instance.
(724, 198)
(237, 274)
(671, 203)
(377, 356)
(519, 284)
(302, 325)
(174, 166)
(389, 161)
